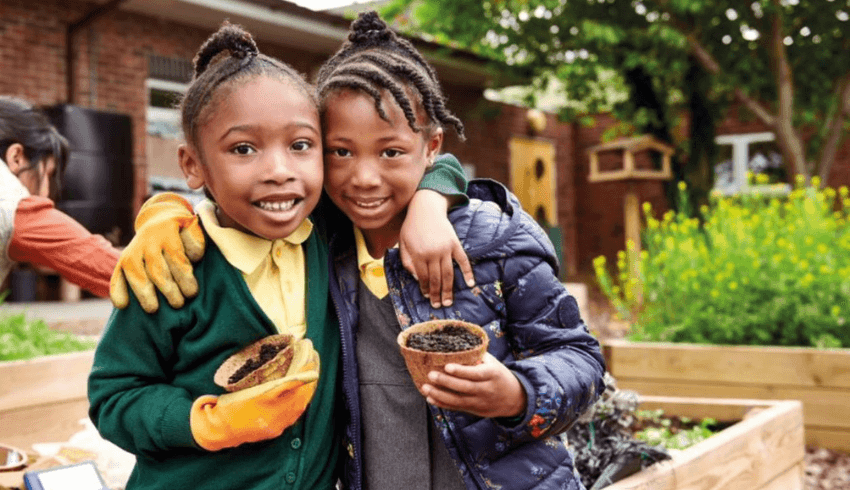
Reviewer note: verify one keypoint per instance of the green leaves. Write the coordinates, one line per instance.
(756, 271)
(23, 339)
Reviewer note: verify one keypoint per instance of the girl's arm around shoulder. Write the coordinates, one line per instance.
(132, 402)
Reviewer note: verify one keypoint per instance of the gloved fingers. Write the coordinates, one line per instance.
(269, 391)
(134, 272)
(118, 289)
(304, 357)
(157, 269)
(183, 274)
(193, 239)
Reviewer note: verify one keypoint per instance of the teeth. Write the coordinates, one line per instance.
(276, 205)
(371, 204)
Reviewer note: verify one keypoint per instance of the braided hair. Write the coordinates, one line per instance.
(228, 56)
(374, 59)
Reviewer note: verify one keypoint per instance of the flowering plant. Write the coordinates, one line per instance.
(758, 270)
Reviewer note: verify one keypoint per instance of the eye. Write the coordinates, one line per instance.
(391, 153)
(243, 149)
(301, 145)
(339, 152)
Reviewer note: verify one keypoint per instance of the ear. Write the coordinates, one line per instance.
(15, 158)
(434, 144)
(190, 164)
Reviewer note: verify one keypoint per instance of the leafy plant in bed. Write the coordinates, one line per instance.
(753, 270)
(21, 339)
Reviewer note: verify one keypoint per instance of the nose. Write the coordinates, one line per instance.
(279, 166)
(365, 173)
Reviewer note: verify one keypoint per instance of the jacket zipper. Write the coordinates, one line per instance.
(355, 421)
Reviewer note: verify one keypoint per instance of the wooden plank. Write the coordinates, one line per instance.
(796, 366)
(53, 422)
(828, 408)
(789, 480)
(754, 454)
(44, 380)
(836, 439)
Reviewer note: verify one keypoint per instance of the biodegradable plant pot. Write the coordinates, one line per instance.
(420, 363)
(260, 370)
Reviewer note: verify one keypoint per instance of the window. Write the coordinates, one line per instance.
(756, 153)
(164, 136)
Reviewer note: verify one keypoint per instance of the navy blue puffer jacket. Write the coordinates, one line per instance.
(535, 329)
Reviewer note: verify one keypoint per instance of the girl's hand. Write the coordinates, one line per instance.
(428, 244)
(488, 389)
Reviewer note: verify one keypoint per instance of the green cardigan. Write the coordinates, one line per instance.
(148, 369)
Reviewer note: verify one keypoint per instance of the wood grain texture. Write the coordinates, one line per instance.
(762, 451)
(820, 379)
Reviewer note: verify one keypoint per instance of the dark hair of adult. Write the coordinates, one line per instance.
(227, 57)
(21, 123)
(375, 59)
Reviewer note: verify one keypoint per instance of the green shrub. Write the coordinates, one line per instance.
(757, 271)
(22, 339)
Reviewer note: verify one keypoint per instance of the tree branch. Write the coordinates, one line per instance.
(712, 66)
(835, 128)
(786, 135)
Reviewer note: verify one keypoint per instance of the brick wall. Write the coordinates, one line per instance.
(489, 128)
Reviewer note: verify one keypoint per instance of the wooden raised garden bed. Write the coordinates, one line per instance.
(43, 399)
(764, 451)
(820, 379)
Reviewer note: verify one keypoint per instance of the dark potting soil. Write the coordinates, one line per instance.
(267, 353)
(450, 338)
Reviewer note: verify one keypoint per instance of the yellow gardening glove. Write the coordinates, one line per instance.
(258, 413)
(168, 236)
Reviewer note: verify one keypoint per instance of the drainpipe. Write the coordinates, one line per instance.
(69, 42)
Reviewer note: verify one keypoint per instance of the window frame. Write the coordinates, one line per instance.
(740, 143)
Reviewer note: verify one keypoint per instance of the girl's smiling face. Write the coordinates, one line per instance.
(259, 154)
(373, 166)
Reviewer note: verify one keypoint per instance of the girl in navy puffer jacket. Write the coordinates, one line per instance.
(535, 330)
(499, 424)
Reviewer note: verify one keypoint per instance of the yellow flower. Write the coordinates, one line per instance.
(762, 178)
(835, 310)
(733, 285)
(714, 293)
(842, 191)
(816, 182)
(682, 185)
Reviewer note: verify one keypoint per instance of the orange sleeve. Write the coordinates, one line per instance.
(48, 237)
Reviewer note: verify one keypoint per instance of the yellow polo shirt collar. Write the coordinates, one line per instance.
(243, 251)
(274, 270)
(371, 269)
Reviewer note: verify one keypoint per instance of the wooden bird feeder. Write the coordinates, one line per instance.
(630, 160)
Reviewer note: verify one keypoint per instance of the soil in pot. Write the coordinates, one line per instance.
(266, 354)
(450, 338)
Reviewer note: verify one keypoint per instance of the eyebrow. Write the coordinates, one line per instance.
(253, 127)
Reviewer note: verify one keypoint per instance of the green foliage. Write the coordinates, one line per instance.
(580, 41)
(757, 271)
(22, 339)
(662, 432)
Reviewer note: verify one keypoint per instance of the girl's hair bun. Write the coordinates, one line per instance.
(369, 29)
(230, 40)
